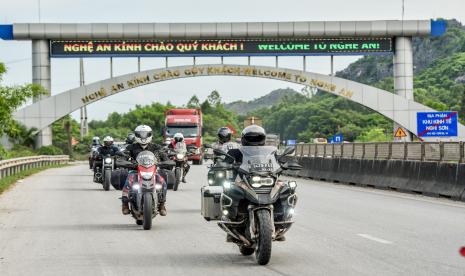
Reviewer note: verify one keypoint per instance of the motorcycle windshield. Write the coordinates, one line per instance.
(146, 159)
(259, 159)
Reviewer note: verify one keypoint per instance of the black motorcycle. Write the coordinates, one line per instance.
(104, 166)
(181, 159)
(257, 207)
(216, 177)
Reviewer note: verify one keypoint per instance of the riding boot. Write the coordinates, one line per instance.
(162, 209)
(125, 206)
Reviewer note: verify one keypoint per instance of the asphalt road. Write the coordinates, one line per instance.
(60, 223)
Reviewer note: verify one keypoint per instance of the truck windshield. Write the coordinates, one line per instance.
(187, 131)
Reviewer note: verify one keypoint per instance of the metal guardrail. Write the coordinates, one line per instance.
(421, 151)
(13, 166)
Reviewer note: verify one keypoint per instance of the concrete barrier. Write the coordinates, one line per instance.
(427, 178)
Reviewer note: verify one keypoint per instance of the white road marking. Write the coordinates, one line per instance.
(366, 236)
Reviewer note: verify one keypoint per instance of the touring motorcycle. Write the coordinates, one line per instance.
(256, 206)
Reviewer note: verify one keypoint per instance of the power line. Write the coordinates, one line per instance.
(17, 60)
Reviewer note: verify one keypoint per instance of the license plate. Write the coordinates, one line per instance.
(268, 167)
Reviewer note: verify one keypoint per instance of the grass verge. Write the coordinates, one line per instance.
(6, 182)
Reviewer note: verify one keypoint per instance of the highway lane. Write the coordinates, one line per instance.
(60, 223)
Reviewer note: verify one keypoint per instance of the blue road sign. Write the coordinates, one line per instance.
(291, 142)
(437, 124)
(338, 138)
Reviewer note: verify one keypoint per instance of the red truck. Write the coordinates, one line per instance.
(189, 123)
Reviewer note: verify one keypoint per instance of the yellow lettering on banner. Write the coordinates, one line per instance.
(168, 74)
(138, 81)
(95, 95)
(117, 87)
(248, 71)
(210, 70)
(103, 48)
(346, 93)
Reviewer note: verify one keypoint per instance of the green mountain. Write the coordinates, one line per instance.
(439, 83)
(372, 69)
(272, 98)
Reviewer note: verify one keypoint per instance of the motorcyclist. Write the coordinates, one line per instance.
(224, 140)
(252, 135)
(107, 149)
(142, 142)
(93, 151)
(130, 138)
(179, 146)
(96, 141)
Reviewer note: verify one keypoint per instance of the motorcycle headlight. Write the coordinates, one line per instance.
(292, 184)
(257, 181)
(136, 187)
(158, 186)
(146, 175)
(108, 160)
(179, 156)
(210, 181)
(220, 174)
(227, 184)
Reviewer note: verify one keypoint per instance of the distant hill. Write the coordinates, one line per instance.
(270, 99)
(427, 50)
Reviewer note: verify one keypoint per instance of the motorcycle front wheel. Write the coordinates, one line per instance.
(107, 180)
(177, 174)
(263, 252)
(147, 210)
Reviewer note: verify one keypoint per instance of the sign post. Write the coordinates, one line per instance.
(336, 139)
(437, 124)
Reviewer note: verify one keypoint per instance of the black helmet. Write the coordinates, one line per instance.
(253, 135)
(130, 139)
(224, 135)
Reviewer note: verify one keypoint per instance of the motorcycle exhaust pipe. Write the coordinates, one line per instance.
(234, 234)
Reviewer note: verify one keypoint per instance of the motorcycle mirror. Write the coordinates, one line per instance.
(220, 152)
(288, 150)
(292, 165)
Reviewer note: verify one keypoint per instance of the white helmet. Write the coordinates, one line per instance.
(96, 140)
(108, 141)
(178, 137)
(143, 135)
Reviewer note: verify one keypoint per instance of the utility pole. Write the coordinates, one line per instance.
(84, 124)
(38, 9)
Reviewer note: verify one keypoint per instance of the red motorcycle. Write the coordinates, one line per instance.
(144, 190)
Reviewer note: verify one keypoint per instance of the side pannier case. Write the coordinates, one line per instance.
(211, 206)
